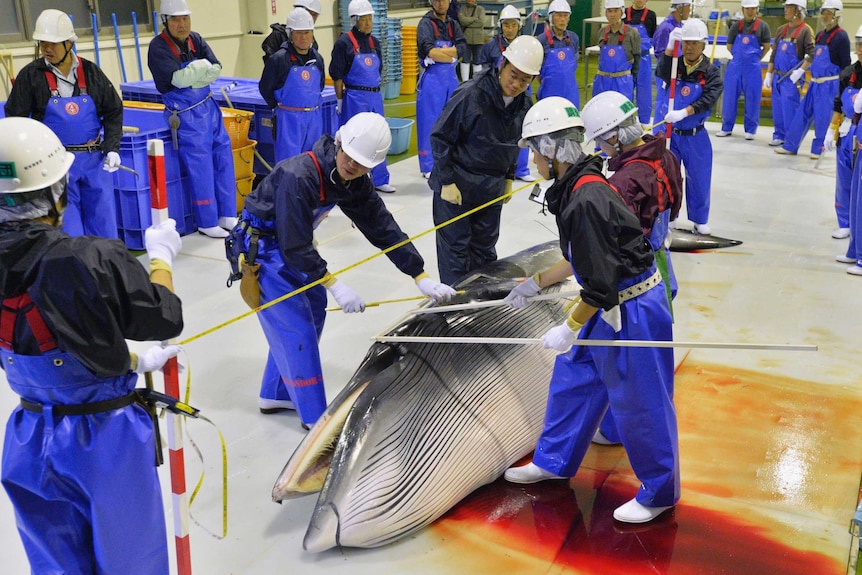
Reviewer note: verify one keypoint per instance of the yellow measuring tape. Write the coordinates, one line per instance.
(306, 287)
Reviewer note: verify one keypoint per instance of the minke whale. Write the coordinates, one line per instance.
(688, 241)
(420, 426)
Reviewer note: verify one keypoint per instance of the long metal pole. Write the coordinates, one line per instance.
(137, 46)
(96, 39)
(119, 46)
(598, 342)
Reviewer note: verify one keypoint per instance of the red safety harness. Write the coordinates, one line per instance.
(551, 38)
(829, 39)
(594, 179)
(629, 16)
(622, 34)
(11, 309)
(319, 173)
(370, 41)
(173, 46)
(661, 178)
(52, 80)
(753, 28)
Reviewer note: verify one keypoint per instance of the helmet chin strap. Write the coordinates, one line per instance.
(66, 55)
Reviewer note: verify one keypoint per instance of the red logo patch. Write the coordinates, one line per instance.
(72, 108)
(368, 61)
(784, 46)
(686, 91)
(818, 51)
(612, 52)
(746, 39)
(561, 55)
(306, 75)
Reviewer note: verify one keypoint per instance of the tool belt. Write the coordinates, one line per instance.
(691, 132)
(614, 74)
(363, 88)
(82, 408)
(823, 79)
(640, 288)
(292, 109)
(244, 266)
(91, 146)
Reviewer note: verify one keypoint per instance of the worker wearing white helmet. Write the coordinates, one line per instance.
(680, 10)
(471, 16)
(643, 20)
(749, 41)
(79, 459)
(792, 46)
(292, 83)
(355, 68)
(492, 56)
(622, 297)
(78, 102)
(183, 66)
(279, 36)
(848, 104)
(696, 89)
(475, 153)
(440, 43)
(831, 55)
(620, 54)
(277, 234)
(561, 55)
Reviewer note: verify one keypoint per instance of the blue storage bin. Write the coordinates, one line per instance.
(393, 89)
(402, 129)
(134, 213)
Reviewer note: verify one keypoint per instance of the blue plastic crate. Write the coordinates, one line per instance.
(133, 149)
(143, 91)
(134, 213)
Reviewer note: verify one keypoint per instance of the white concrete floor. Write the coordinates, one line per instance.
(781, 285)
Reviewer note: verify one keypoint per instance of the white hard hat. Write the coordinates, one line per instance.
(313, 5)
(606, 111)
(299, 19)
(559, 6)
(359, 8)
(54, 26)
(366, 138)
(31, 156)
(174, 8)
(694, 29)
(801, 4)
(526, 54)
(509, 12)
(549, 115)
(859, 34)
(676, 3)
(834, 5)
(750, 3)
(615, 4)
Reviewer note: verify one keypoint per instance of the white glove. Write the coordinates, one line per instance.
(156, 357)
(857, 104)
(347, 299)
(674, 116)
(338, 106)
(796, 75)
(429, 61)
(452, 194)
(675, 36)
(438, 292)
(829, 140)
(517, 298)
(767, 81)
(112, 162)
(560, 338)
(163, 242)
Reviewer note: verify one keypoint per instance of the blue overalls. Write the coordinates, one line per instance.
(691, 144)
(615, 71)
(844, 158)
(645, 74)
(742, 77)
(91, 208)
(522, 168)
(204, 148)
(854, 215)
(86, 484)
(362, 94)
(821, 93)
(587, 380)
(292, 327)
(785, 94)
(299, 119)
(436, 86)
(557, 76)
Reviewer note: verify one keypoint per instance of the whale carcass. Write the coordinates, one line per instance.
(421, 425)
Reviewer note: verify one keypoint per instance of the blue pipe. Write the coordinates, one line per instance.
(119, 46)
(96, 38)
(137, 46)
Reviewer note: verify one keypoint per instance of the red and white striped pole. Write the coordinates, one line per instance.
(672, 87)
(159, 203)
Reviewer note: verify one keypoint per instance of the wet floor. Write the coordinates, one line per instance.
(770, 441)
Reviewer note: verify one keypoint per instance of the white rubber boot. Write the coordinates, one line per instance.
(530, 473)
(465, 72)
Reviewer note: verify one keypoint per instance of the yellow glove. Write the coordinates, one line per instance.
(508, 190)
(451, 194)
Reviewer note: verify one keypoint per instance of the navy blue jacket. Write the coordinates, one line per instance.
(839, 46)
(291, 194)
(425, 36)
(706, 74)
(491, 51)
(278, 66)
(475, 139)
(163, 63)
